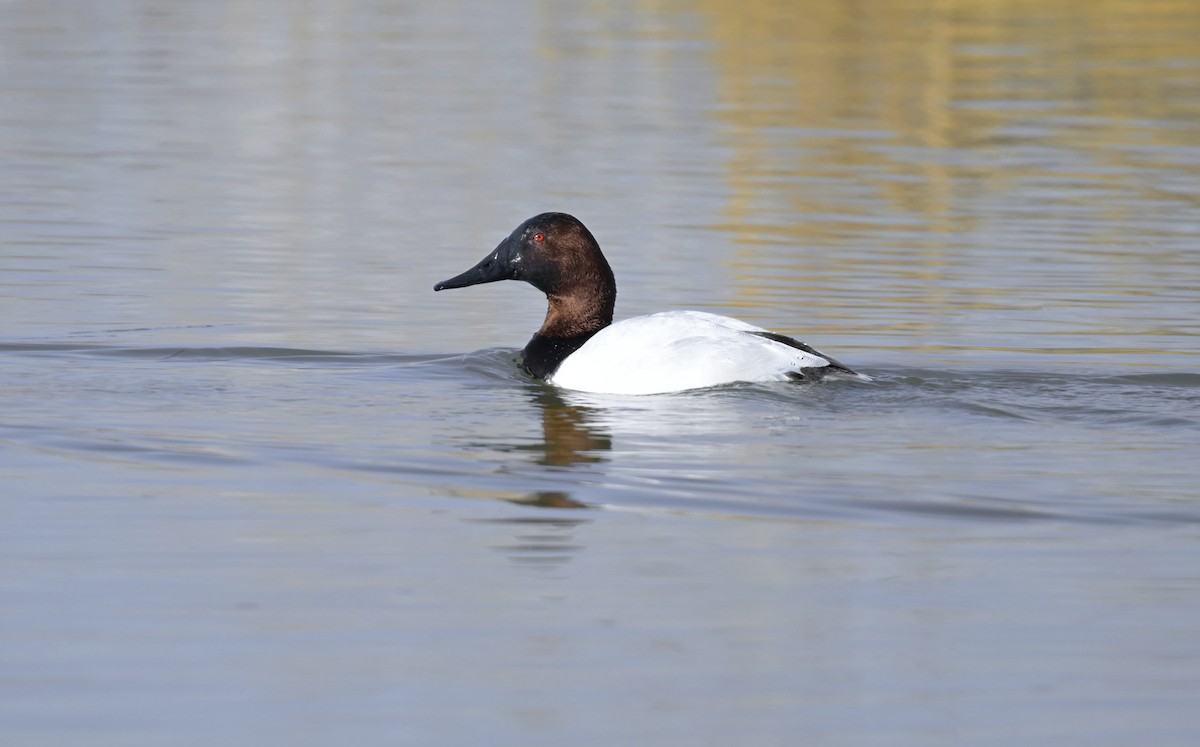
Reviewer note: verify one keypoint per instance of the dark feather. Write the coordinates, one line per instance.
(806, 374)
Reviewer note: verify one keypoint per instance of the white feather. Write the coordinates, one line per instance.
(677, 350)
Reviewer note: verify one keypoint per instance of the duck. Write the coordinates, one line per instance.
(578, 347)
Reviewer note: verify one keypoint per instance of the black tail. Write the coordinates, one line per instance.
(816, 373)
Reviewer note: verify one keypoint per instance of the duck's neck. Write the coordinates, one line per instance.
(571, 320)
(572, 314)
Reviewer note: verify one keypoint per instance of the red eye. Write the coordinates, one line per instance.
(539, 236)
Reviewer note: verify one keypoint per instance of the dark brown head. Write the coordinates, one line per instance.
(556, 254)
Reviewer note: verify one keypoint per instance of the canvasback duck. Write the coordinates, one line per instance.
(579, 347)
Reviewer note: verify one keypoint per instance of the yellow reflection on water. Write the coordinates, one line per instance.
(925, 127)
(940, 74)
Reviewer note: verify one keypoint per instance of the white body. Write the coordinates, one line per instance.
(677, 350)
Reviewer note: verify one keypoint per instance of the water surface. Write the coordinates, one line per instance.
(262, 486)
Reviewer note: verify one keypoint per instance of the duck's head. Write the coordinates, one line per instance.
(553, 252)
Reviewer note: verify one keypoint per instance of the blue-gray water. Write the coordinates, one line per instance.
(262, 487)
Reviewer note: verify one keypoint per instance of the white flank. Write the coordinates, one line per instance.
(677, 350)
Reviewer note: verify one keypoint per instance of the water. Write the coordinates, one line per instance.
(262, 486)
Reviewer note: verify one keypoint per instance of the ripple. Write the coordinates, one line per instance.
(219, 353)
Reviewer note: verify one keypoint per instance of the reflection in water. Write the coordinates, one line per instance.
(550, 499)
(569, 437)
(986, 78)
(542, 542)
(899, 155)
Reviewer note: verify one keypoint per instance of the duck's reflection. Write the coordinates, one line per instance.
(549, 499)
(569, 437)
(538, 541)
(569, 434)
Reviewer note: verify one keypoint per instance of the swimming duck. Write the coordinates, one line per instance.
(579, 347)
